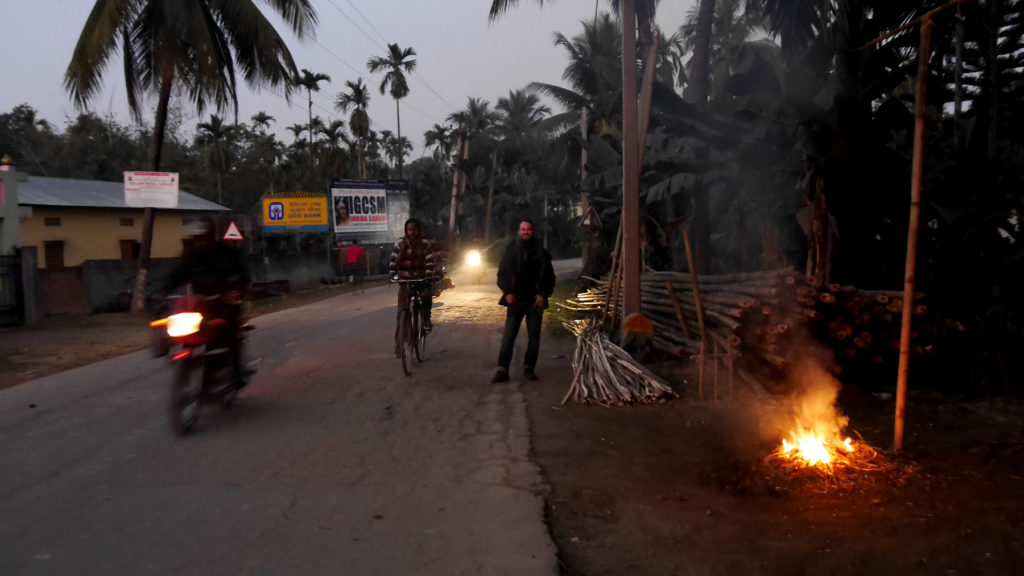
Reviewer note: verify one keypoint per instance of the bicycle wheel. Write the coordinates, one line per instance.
(417, 332)
(404, 331)
(414, 330)
(421, 341)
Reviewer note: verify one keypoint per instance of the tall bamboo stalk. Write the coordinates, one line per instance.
(920, 105)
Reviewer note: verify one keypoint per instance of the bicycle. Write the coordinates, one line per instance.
(412, 336)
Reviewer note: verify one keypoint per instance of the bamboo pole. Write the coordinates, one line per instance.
(920, 105)
(679, 311)
(700, 311)
(611, 300)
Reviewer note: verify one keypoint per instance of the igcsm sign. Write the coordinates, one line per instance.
(294, 214)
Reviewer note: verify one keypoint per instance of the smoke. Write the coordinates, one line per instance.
(813, 406)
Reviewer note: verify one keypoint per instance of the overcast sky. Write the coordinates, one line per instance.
(459, 54)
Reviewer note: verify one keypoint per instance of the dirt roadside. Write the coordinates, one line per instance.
(680, 487)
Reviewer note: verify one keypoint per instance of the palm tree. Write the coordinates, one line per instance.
(357, 98)
(261, 121)
(396, 64)
(334, 137)
(521, 114)
(196, 45)
(594, 74)
(215, 139)
(297, 130)
(440, 137)
(394, 146)
(637, 27)
(311, 82)
(476, 119)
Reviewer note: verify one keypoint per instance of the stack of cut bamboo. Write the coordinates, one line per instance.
(606, 374)
(765, 317)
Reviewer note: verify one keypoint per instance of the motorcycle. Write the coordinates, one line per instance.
(210, 366)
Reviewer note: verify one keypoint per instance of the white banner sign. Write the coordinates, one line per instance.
(360, 210)
(151, 189)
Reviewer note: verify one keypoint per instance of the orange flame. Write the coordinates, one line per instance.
(810, 448)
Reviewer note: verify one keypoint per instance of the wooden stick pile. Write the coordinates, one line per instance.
(758, 316)
(606, 374)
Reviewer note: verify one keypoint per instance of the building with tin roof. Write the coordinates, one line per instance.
(73, 221)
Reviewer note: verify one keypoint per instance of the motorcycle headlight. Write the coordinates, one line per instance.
(183, 324)
(473, 257)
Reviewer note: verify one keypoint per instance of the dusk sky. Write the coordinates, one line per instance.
(460, 54)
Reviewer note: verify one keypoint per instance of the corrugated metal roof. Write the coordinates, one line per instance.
(75, 193)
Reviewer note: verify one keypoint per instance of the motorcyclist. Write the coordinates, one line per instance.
(412, 258)
(218, 271)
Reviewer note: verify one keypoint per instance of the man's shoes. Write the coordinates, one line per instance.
(499, 377)
(529, 374)
(427, 326)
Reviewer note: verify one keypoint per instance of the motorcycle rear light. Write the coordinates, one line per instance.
(158, 323)
(182, 355)
(183, 324)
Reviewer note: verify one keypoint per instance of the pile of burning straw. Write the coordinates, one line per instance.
(606, 374)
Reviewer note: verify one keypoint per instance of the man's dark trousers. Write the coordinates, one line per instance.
(513, 319)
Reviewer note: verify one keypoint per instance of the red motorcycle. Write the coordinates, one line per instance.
(210, 365)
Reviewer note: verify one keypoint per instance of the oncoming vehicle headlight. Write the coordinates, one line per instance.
(183, 324)
(473, 258)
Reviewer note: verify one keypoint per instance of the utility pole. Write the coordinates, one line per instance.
(630, 166)
(452, 215)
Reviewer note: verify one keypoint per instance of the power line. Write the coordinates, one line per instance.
(367, 21)
(419, 76)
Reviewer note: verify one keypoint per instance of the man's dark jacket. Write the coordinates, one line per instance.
(525, 271)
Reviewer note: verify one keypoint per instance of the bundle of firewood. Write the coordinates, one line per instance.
(605, 374)
(765, 317)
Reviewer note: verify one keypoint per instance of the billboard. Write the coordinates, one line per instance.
(151, 189)
(359, 206)
(287, 214)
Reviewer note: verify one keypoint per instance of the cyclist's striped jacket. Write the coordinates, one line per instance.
(412, 261)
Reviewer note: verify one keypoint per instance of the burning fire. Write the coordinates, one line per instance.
(806, 447)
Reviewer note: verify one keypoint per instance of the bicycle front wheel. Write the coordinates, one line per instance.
(417, 334)
(404, 337)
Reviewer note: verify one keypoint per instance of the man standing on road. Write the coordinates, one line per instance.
(526, 279)
(412, 259)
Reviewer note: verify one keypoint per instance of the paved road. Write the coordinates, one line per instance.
(332, 461)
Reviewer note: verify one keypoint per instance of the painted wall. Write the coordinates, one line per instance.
(96, 233)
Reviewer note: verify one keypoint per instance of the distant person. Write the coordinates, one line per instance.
(526, 279)
(355, 261)
(341, 212)
(412, 258)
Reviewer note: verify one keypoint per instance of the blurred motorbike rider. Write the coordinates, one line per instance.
(217, 270)
(413, 259)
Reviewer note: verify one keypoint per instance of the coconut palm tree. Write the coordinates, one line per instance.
(395, 64)
(196, 46)
(357, 99)
(214, 140)
(594, 74)
(311, 82)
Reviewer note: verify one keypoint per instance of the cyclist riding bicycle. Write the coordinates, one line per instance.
(412, 259)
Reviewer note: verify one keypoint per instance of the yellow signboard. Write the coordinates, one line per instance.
(295, 212)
